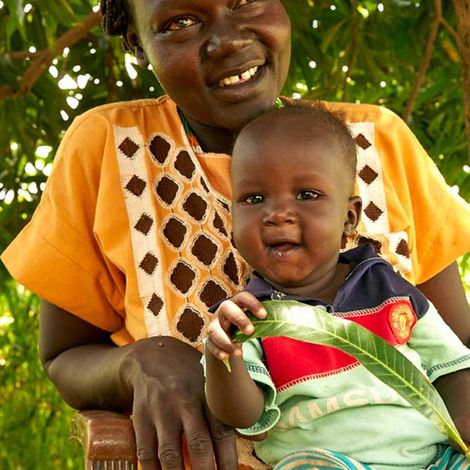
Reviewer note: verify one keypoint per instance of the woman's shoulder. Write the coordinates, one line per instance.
(126, 113)
(96, 124)
(363, 112)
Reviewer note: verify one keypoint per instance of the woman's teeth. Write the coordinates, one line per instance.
(234, 79)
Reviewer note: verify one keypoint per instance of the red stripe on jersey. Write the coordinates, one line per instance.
(290, 360)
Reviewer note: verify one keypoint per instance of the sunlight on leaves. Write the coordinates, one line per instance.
(313, 324)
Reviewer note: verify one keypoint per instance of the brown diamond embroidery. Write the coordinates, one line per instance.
(167, 189)
(212, 293)
(219, 224)
(128, 147)
(231, 270)
(224, 205)
(155, 305)
(175, 232)
(204, 185)
(136, 186)
(375, 243)
(195, 206)
(204, 250)
(185, 165)
(403, 249)
(190, 324)
(368, 175)
(182, 277)
(362, 142)
(159, 148)
(144, 224)
(373, 212)
(149, 263)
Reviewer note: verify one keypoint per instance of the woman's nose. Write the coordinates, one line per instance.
(226, 38)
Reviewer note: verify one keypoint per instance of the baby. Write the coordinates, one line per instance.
(293, 206)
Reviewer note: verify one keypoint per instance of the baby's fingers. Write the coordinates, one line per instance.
(232, 313)
(247, 301)
(219, 339)
(223, 352)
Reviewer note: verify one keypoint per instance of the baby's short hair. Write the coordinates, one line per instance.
(320, 118)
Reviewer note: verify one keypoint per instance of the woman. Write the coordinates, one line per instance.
(132, 236)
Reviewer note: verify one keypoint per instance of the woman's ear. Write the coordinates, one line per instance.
(132, 41)
(352, 218)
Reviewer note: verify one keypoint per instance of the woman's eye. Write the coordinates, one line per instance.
(306, 195)
(180, 23)
(242, 3)
(254, 199)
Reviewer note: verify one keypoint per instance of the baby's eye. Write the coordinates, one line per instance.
(254, 199)
(307, 194)
(180, 23)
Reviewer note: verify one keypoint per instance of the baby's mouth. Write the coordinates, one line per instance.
(282, 248)
(238, 79)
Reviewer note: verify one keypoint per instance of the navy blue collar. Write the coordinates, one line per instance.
(359, 259)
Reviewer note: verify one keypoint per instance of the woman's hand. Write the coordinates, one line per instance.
(166, 377)
(159, 379)
(230, 314)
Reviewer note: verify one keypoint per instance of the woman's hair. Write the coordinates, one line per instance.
(116, 17)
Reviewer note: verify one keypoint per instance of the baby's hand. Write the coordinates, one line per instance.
(229, 314)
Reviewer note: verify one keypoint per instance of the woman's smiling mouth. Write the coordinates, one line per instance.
(238, 79)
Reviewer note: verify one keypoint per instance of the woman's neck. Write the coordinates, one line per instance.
(212, 139)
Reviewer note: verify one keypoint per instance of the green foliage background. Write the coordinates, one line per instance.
(347, 50)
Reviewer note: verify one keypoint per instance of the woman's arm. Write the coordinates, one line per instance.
(69, 347)
(158, 379)
(446, 292)
(455, 391)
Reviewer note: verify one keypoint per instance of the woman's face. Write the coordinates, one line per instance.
(222, 61)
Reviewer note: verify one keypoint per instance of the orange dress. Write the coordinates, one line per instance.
(133, 230)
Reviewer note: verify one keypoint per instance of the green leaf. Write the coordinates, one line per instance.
(16, 9)
(315, 325)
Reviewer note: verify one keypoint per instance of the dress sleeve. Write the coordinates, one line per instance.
(57, 255)
(417, 195)
(253, 357)
(420, 223)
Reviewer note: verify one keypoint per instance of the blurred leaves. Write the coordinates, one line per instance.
(33, 417)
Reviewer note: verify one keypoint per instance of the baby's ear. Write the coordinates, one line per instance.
(132, 41)
(353, 215)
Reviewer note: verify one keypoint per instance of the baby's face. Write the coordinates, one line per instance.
(290, 205)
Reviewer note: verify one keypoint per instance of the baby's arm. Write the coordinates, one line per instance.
(455, 390)
(233, 397)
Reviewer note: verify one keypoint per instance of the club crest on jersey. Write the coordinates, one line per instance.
(402, 320)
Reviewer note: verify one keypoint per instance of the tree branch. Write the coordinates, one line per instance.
(449, 28)
(42, 60)
(425, 60)
(462, 12)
